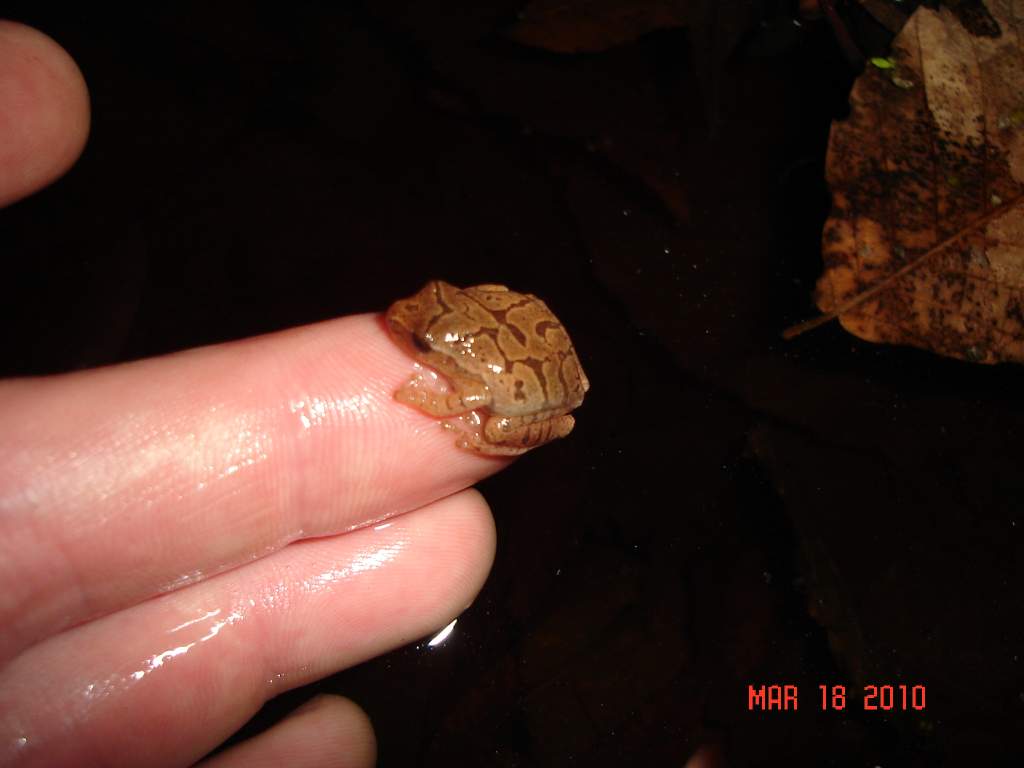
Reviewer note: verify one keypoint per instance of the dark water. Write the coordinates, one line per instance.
(732, 510)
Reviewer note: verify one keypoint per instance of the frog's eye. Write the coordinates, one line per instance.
(419, 342)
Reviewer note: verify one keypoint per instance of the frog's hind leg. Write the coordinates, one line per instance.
(466, 394)
(511, 436)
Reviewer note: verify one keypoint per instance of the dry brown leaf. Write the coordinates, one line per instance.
(572, 26)
(925, 242)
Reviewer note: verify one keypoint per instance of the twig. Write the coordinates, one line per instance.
(846, 44)
(808, 325)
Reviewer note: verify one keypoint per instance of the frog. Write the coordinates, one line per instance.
(513, 373)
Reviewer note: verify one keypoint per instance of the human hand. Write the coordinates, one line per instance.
(184, 537)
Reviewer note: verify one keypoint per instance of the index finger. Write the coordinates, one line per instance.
(44, 119)
(124, 482)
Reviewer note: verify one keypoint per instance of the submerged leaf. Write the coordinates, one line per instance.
(917, 249)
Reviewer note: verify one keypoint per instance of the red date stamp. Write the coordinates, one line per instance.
(872, 698)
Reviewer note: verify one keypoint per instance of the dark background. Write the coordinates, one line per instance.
(731, 510)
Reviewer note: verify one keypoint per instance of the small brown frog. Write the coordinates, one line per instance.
(513, 371)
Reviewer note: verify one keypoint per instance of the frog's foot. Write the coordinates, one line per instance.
(489, 449)
(513, 435)
(468, 426)
(427, 397)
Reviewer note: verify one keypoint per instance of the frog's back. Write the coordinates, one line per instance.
(542, 371)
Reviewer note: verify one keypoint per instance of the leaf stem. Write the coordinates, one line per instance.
(809, 325)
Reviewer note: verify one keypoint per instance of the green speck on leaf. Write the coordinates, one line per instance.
(883, 62)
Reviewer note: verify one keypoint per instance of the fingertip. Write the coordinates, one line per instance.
(483, 534)
(44, 111)
(346, 724)
(324, 732)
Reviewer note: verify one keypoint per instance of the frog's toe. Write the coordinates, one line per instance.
(411, 395)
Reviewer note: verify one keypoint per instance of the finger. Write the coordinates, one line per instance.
(164, 682)
(44, 111)
(124, 482)
(326, 732)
